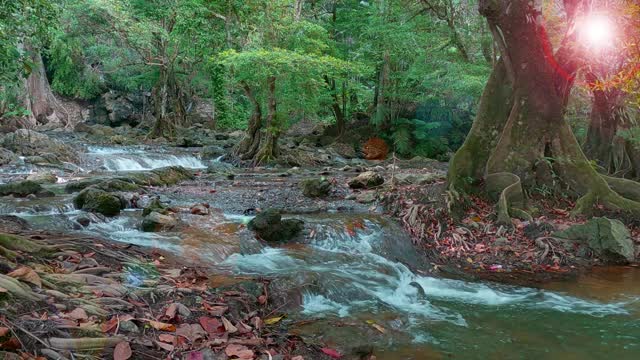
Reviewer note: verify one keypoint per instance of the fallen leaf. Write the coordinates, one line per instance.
(122, 351)
(273, 320)
(191, 332)
(165, 347)
(26, 274)
(229, 326)
(194, 355)
(240, 351)
(299, 357)
(166, 338)
(262, 299)
(331, 352)
(3, 290)
(78, 314)
(162, 326)
(215, 310)
(171, 311)
(4, 331)
(379, 328)
(211, 325)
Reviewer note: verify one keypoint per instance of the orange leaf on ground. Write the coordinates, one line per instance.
(78, 314)
(162, 326)
(122, 351)
(211, 325)
(26, 274)
(166, 338)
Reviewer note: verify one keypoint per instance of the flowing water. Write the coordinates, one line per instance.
(355, 276)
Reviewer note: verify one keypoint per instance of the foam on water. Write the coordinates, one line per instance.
(122, 230)
(354, 278)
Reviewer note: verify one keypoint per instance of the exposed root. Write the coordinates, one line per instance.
(84, 344)
(18, 290)
(509, 188)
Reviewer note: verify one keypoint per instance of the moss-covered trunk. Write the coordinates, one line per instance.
(534, 147)
(248, 147)
(169, 108)
(268, 149)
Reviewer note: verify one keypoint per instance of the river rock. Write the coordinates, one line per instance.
(32, 143)
(608, 238)
(155, 222)
(269, 226)
(155, 205)
(99, 201)
(366, 197)
(24, 189)
(366, 180)
(43, 178)
(417, 179)
(200, 209)
(315, 188)
(211, 152)
(7, 156)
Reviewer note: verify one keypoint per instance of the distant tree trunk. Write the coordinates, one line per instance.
(603, 144)
(249, 145)
(39, 100)
(298, 10)
(338, 110)
(268, 149)
(383, 82)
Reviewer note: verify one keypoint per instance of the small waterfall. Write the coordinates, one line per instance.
(136, 159)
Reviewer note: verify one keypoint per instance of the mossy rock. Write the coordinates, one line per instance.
(24, 189)
(155, 206)
(99, 201)
(43, 178)
(173, 174)
(366, 180)
(269, 226)
(608, 238)
(155, 222)
(315, 188)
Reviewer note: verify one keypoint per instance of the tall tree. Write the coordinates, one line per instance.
(520, 139)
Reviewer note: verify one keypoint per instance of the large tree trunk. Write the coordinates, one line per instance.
(268, 149)
(535, 146)
(170, 111)
(249, 145)
(39, 100)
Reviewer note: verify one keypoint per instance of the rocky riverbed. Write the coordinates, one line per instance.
(325, 255)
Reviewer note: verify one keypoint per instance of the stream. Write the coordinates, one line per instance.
(356, 275)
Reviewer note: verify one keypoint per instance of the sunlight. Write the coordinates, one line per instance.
(597, 32)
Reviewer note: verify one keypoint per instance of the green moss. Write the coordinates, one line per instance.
(21, 188)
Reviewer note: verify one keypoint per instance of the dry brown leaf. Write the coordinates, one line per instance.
(239, 351)
(164, 346)
(122, 351)
(78, 314)
(167, 338)
(229, 326)
(162, 326)
(191, 332)
(26, 274)
(171, 311)
(4, 331)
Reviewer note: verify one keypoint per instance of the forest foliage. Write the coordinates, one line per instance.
(414, 68)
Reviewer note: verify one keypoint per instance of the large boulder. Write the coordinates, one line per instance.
(155, 222)
(269, 226)
(608, 238)
(211, 152)
(43, 178)
(123, 184)
(99, 201)
(7, 156)
(366, 180)
(24, 189)
(315, 188)
(32, 143)
(115, 109)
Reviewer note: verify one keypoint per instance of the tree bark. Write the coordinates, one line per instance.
(39, 100)
(249, 145)
(268, 149)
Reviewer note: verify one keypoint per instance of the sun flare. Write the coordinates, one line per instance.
(597, 32)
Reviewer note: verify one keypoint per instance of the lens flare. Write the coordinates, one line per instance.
(597, 32)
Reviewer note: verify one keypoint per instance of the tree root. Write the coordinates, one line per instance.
(18, 243)
(509, 188)
(18, 290)
(84, 344)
